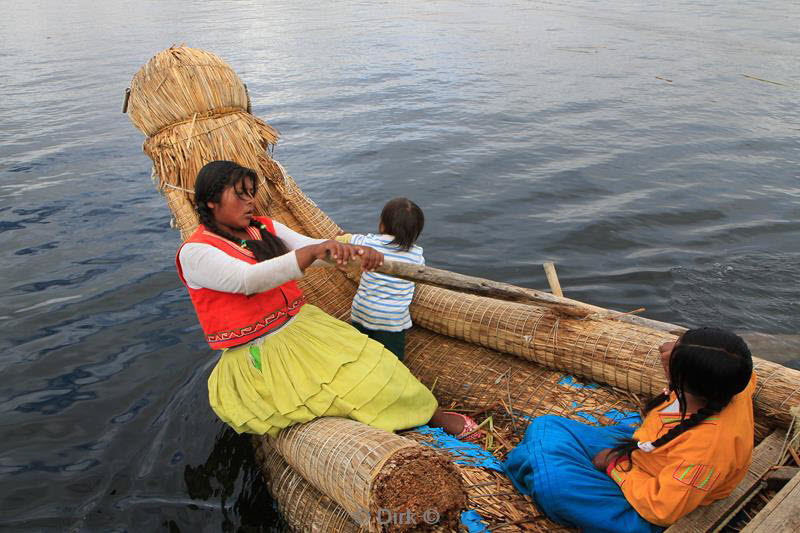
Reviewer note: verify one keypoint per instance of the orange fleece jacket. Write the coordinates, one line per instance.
(701, 465)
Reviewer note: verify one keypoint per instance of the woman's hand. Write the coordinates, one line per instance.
(339, 252)
(603, 458)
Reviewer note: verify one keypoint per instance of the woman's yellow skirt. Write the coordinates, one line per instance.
(316, 366)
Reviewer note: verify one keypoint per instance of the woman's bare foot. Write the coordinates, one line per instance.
(451, 423)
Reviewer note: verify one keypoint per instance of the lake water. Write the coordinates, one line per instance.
(627, 141)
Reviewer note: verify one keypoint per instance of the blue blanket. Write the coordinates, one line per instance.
(553, 464)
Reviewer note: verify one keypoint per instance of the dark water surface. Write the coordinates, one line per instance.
(527, 131)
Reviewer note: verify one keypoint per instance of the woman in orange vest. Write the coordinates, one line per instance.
(693, 447)
(284, 361)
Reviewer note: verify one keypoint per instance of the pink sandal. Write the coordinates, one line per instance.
(470, 433)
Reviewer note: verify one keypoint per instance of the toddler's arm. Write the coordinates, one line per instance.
(352, 238)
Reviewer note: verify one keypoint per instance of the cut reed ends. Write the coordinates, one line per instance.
(373, 473)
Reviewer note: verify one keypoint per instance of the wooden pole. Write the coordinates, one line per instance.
(508, 292)
(552, 279)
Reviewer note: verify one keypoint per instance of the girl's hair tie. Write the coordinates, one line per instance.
(262, 226)
(646, 447)
(244, 244)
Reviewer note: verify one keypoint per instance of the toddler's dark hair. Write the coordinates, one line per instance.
(403, 219)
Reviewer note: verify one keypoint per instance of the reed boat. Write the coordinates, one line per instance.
(502, 353)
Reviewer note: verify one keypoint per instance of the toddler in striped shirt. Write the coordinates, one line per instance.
(380, 307)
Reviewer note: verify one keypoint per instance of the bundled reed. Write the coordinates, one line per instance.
(603, 350)
(180, 84)
(187, 146)
(307, 510)
(368, 471)
(304, 508)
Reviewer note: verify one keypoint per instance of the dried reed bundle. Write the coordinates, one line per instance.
(180, 151)
(304, 508)
(307, 510)
(371, 471)
(621, 355)
(181, 83)
(479, 379)
(602, 350)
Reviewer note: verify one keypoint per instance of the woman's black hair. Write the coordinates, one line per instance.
(712, 363)
(402, 219)
(211, 181)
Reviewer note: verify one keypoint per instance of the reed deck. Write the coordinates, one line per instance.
(781, 514)
(715, 516)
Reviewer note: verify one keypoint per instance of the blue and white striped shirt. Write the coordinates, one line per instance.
(382, 301)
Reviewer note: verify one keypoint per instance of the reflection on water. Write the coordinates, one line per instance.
(621, 140)
(218, 480)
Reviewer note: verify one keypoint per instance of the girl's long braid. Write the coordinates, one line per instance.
(626, 447)
(733, 368)
(701, 415)
(269, 246)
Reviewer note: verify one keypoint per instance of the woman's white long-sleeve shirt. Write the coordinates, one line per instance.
(207, 267)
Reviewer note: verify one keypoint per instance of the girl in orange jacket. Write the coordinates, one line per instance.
(693, 447)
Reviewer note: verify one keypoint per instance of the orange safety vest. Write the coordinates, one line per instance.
(230, 319)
